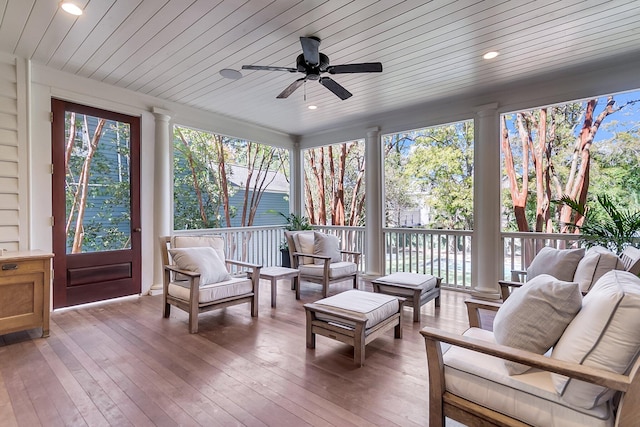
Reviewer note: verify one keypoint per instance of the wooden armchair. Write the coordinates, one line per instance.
(183, 288)
(325, 264)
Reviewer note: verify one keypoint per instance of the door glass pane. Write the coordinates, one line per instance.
(97, 184)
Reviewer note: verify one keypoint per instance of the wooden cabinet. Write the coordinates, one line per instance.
(25, 286)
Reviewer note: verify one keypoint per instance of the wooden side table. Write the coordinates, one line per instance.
(276, 273)
(25, 287)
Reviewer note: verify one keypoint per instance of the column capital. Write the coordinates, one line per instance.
(373, 131)
(486, 109)
(161, 113)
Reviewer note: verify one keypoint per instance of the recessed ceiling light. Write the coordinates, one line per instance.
(71, 8)
(312, 107)
(228, 73)
(490, 55)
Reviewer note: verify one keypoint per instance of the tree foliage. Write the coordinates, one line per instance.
(432, 167)
(97, 184)
(551, 152)
(202, 172)
(334, 184)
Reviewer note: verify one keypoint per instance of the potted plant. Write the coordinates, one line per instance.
(294, 223)
(612, 228)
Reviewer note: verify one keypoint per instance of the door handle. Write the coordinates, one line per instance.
(137, 229)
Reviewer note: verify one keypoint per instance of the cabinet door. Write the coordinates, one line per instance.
(21, 300)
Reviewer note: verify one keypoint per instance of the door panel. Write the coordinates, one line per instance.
(96, 204)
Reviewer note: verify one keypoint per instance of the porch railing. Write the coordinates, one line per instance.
(443, 253)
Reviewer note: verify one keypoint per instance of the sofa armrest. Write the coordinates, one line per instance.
(474, 306)
(589, 374)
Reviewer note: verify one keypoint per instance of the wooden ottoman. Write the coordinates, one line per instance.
(354, 317)
(418, 289)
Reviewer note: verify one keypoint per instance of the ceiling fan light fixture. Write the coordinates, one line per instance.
(229, 73)
(312, 107)
(490, 55)
(71, 8)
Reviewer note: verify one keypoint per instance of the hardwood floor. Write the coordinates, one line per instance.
(119, 363)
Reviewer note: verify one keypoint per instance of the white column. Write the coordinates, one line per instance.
(296, 199)
(486, 256)
(374, 169)
(162, 191)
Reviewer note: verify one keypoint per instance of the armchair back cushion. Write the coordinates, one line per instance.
(559, 263)
(326, 245)
(534, 317)
(304, 244)
(604, 334)
(596, 262)
(215, 242)
(203, 260)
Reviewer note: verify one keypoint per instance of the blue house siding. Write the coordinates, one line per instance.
(267, 212)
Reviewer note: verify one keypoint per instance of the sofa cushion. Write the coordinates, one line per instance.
(597, 261)
(604, 335)
(559, 263)
(529, 397)
(326, 245)
(534, 317)
(203, 260)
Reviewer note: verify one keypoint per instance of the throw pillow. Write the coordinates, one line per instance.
(603, 335)
(534, 317)
(597, 261)
(326, 245)
(559, 263)
(203, 260)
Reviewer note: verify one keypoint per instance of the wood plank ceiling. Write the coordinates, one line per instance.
(174, 49)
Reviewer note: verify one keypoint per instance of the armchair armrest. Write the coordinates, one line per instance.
(518, 275)
(473, 310)
(356, 255)
(175, 269)
(589, 374)
(505, 287)
(253, 272)
(299, 254)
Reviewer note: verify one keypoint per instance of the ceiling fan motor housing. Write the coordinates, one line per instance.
(311, 69)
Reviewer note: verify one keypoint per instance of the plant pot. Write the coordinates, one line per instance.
(286, 261)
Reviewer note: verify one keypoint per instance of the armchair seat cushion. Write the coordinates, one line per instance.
(336, 269)
(530, 397)
(212, 292)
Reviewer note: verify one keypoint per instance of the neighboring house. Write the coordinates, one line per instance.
(274, 199)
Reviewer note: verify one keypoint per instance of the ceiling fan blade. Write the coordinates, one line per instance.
(310, 49)
(267, 68)
(365, 67)
(291, 88)
(335, 87)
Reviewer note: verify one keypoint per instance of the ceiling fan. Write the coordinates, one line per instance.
(312, 63)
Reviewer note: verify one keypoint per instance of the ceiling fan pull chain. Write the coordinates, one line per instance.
(305, 91)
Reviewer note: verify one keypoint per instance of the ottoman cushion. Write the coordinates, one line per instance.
(425, 282)
(376, 307)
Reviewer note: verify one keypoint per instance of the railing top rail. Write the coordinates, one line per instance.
(428, 231)
(535, 235)
(228, 229)
(337, 227)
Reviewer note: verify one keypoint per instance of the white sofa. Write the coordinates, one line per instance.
(589, 377)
